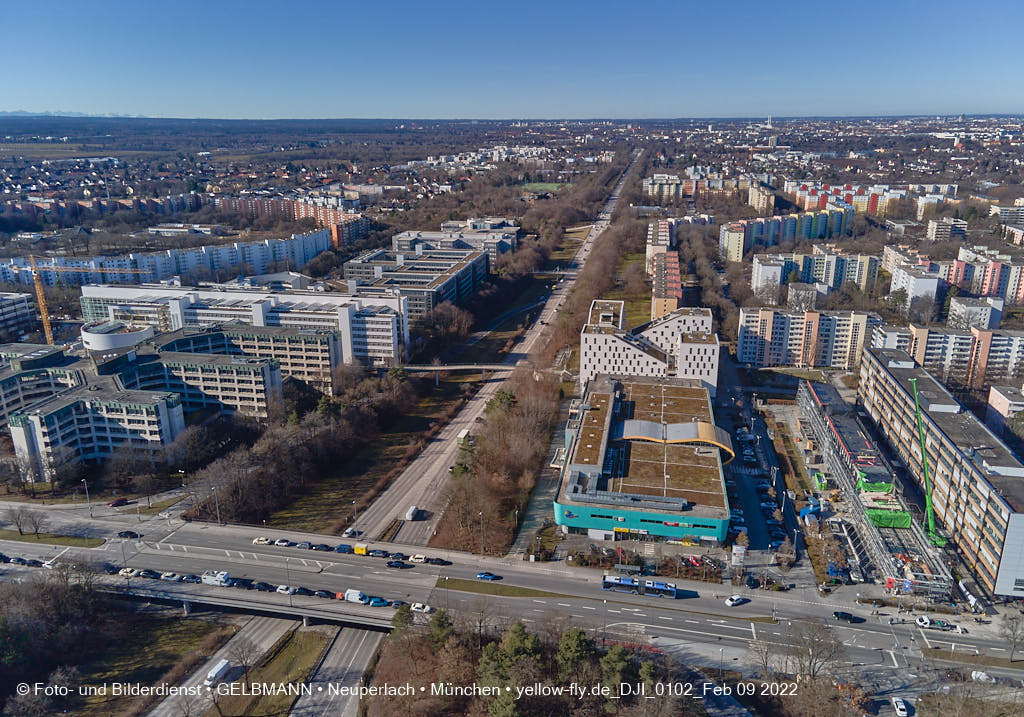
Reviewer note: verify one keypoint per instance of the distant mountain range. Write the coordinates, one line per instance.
(58, 113)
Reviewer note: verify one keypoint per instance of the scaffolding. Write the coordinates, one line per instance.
(896, 547)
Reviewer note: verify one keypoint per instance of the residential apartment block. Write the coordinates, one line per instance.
(17, 315)
(679, 344)
(809, 339)
(661, 239)
(666, 285)
(966, 313)
(946, 228)
(977, 483)
(974, 357)
(735, 238)
(201, 263)
(827, 265)
(663, 187)
(761, 198)
(371, 330)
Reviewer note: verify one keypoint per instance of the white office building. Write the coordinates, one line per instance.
(371, 330)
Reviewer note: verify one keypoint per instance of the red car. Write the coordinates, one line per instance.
(118, 503)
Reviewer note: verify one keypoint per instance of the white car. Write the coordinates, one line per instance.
(900, 707)
(350, 533)
(282, 542)
(418, 559)
(734, 600)
(261, 541)
(128, 572)
(286, 589)
(171, 577)
(421, 607)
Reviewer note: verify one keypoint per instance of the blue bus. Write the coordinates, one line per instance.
(660, 589)
(621, 584)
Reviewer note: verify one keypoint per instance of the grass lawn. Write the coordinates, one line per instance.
(560, 257)
(983, 660)
(331, 497)
(543, 186)
(75, 541)
(161, 505)
(292, 662)
(149, 646)
(493, 588)
(638, 310)
(807, 374)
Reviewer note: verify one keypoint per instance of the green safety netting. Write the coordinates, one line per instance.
(888, 518)
(863, 485)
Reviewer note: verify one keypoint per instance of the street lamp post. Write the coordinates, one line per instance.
(87, 501)
(355, 513)
(124, 564)
(288, 572)
(721, 664)
(216, 502)
(481, 533)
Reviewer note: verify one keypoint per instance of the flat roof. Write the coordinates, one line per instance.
(657, 468)
(973, 440)
(613, 311)
(853, 439)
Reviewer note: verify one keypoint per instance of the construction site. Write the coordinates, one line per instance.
(882, 529)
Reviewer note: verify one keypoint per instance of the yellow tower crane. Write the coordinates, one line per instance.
(44, 311)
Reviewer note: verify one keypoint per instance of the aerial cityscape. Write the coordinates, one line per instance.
(389, 372)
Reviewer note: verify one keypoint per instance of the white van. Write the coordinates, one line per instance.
(216, 577)
(355, 596)
(217, 673)
(412, 513)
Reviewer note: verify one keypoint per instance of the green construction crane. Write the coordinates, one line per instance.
(930, 513)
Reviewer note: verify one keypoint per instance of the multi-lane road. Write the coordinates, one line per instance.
(575, 594)
(422, 484)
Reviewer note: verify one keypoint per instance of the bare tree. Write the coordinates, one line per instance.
(762, 652)
(18, 516)
(814, 648)
(35, 521)
(244, 652)
(1011, 629)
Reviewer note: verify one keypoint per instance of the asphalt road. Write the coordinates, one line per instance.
(423, 483)
(342, 666)
(701, 618)
(262, 632)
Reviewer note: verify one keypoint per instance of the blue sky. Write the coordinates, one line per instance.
(511, 59)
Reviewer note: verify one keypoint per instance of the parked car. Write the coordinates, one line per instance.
(191, 579)
(305, 545)
(900, 707)
(323, 547)
(285, 590)
(485, 575)
(343, 548)
(282, 542)
(418, 559)
(264, 587)
(151, 574)
(421, 607)
(33, 563)
(325, 594)
(304, 591)
(261, 541)
(376, 602)
(171, 577)
(377, 553)
(21, 561)
(118, 502)
(5, 559)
